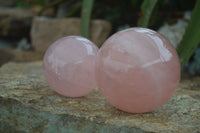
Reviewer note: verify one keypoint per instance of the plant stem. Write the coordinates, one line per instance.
(85, 17)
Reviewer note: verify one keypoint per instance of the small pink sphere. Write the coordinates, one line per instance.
(137, 70)
(68, 66)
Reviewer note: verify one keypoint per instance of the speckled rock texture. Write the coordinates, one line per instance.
(28, 105)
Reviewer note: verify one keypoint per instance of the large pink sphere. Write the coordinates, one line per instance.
(137, 70)
(68, 66)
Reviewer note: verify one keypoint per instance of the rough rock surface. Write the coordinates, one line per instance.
(28, 105)
(45, 31)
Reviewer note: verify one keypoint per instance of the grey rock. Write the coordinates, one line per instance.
(45, 31)
(174, 33)
(23, 45)
(28, 105)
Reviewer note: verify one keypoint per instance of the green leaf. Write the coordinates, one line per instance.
(85, 17)
(146, 11)
(191, 37)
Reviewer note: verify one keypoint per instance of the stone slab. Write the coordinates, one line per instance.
(45, 31)
(28, 105)
(7, 55)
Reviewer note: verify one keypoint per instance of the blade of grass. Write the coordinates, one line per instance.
(85, 17)
(146, 12)
(191, 37)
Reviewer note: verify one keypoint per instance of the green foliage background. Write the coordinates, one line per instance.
(131, 13)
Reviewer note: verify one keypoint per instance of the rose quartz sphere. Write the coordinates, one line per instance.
(68, 66)
(137, 70)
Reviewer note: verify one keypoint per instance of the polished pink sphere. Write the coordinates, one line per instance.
(68, 66)
(137, 70)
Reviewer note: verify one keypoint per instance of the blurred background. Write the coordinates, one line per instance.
(28, 27)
